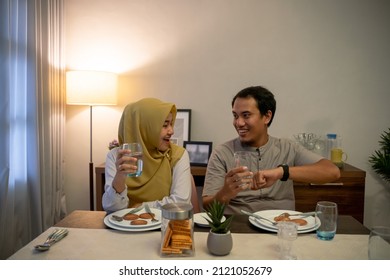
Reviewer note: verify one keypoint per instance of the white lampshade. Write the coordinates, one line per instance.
(91, 88)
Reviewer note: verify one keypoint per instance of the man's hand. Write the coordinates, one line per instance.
(236, 180)
(266, 178)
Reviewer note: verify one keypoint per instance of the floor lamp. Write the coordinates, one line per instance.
(91, 88)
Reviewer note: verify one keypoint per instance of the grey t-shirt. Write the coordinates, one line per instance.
(275, 152)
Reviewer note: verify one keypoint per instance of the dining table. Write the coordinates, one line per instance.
(89, 238)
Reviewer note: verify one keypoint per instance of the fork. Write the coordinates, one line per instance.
(132, 211)
(54, 237)
(258, 217)
(307, 214)
(154, 220)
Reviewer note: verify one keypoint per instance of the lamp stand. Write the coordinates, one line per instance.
(91, 188)
(91, 88)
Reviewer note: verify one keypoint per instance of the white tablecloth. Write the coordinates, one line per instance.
(105, 244)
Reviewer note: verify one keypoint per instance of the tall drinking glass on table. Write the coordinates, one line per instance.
(326, 213)
(379, 243)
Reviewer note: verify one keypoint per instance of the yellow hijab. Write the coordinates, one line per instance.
(142, 122)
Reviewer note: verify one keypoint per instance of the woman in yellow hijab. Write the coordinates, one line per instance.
(166, 175)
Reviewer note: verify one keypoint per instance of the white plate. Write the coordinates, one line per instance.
(312, 223)
(126, 224)
(199, 219)
(255, 222)
(111, 225)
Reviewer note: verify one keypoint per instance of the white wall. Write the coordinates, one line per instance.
(327, 62)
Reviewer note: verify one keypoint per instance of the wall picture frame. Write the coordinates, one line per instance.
(199, 152)
(182, 127)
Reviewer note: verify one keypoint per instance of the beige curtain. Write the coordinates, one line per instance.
(51, 107)
(32, 120)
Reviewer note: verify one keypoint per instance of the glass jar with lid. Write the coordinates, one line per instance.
(177, 230)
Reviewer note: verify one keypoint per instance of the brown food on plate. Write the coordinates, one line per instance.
(300, 222)
(138, 222)
(146, 215)
(285, 215)
(281, 219)
(286, 218)
(130, 217)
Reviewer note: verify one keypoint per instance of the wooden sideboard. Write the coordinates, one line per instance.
(347, 192)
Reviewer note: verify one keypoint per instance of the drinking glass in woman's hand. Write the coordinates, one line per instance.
(243, 158)
(135, 152)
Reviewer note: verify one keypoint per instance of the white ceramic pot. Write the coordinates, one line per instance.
(219, 244)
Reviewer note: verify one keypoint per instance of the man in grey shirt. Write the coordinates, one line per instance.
(276, 162)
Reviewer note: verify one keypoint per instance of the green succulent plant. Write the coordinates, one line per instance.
(380, 159)
(215, 213)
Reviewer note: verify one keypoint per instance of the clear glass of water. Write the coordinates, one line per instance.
(136, 152)
(327, 213)
(287, 234)
(379, 243)
(243, 158)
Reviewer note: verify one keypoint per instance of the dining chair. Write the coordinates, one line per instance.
(194, 197)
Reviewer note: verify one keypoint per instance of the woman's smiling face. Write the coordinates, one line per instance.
(166, 134)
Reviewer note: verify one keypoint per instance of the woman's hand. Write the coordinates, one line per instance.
(125, 164)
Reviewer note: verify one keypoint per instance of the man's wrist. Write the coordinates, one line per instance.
(286, 172)
(221, 198)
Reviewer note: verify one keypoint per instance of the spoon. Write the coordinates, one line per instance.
(54, 237)
(132, 211)
(258, 217)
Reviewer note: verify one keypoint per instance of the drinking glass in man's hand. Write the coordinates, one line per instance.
(243, 158)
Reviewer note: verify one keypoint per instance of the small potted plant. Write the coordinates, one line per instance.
(219, 240)
(380, 159)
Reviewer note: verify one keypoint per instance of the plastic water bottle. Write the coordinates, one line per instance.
(335, 150)
(330, 144)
